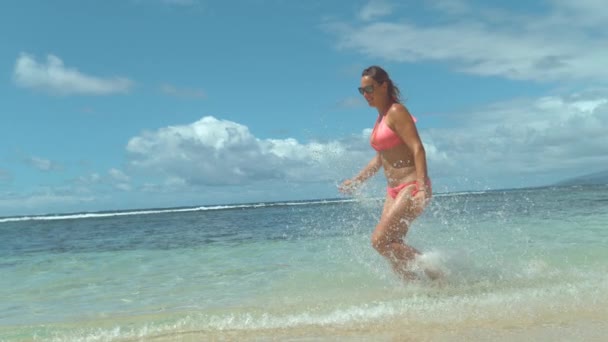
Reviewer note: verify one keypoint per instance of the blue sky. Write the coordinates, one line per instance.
(112, 105)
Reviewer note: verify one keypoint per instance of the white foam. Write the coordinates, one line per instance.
(535, 267)
(165, 211)
(460, 193)
(419, 308)
(431, 263)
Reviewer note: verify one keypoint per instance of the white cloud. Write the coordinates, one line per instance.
(118, 175)
(556, 135)
(42, 201)
(114, 178)
(220, 152)
(120, 180)
(589, 12)
(123, 186)
(54, 77)
(193, 93)
(93, 178)
(375, 9)
(559, 45)
(515, 143)
(503, 144)
(42, 164)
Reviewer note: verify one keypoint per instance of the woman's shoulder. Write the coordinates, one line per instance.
(397, 111)
(398, 115)
(396, 107)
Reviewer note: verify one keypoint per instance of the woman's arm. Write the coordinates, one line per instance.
(403, 125)
(369, 170)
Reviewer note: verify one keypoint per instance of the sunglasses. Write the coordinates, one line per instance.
(367, 89)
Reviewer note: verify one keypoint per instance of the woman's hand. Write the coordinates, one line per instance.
(423, 195)
(348, 186)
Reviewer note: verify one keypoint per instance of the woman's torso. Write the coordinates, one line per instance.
(397, 159)
(398, 164)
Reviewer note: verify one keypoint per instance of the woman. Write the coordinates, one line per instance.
(402, 156)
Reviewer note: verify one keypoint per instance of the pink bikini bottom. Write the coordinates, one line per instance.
(393, 192)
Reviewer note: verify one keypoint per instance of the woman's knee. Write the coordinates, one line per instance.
(382, 244)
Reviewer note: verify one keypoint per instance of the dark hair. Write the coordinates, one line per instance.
(380, 75)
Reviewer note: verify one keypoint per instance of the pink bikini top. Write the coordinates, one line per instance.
(383, 137)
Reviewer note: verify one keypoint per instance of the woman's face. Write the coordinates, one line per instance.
(372, 90)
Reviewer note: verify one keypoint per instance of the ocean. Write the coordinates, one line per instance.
(523, 264)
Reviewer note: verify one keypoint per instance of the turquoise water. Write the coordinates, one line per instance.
(519, 258)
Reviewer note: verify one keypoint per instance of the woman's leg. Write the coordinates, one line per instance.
(388, 236)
